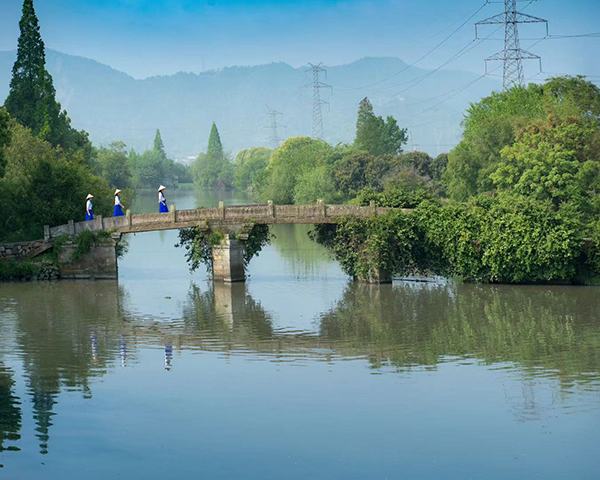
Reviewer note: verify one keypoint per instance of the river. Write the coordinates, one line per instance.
(297, 374)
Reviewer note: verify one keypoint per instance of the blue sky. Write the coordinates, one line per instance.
(159, 37)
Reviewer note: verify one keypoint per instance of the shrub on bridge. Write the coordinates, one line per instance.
(395, 197)
(505, 240)
(198, 244)
(509, 239)
(391, 241)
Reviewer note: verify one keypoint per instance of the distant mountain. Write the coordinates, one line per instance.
(111, 105)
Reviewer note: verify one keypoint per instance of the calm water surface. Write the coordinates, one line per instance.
(299, 374)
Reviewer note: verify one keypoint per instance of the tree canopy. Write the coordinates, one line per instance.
(159, 146)
(295, 157)
(44, 185)
(32, 98)
(492, 124)
(213, 168)
(4, 138)
(376, 135)
(250, 168)
(113, 165)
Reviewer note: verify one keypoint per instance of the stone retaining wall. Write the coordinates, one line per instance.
(19, 250)
(100, 262)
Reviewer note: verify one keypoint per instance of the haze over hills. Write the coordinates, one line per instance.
(111, 105)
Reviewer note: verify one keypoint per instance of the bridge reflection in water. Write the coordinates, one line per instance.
(68, 335)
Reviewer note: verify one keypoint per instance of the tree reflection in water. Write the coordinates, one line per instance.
(10, 411)
(70, 333)
(556, 329)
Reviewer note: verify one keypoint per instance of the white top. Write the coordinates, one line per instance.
(117, 200)
(88, 205)
(161, 197)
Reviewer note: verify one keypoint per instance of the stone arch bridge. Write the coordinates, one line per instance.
(234, 221)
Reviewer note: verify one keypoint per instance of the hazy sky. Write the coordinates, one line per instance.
(157, 37)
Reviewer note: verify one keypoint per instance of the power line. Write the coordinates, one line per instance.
(512, 55)
(456, 56)
(461, 89)
(434, 121)
(317, 85)
(472, 82)
(554, 37)
(426, 54)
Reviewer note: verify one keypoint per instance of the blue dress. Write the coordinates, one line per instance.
(89, 216)
(118, 210)
(162, 207)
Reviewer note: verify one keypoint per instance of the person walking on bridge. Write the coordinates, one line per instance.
(162, 201)
(89, 213)
(118, 205)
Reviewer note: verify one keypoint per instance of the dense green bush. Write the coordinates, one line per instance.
(43, 185)
(504, 240)
(289, 163)
(394, 197)
(11, 270)
(362, 246)
(250, 168)
(594, 250)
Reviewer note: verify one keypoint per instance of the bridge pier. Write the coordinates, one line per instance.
(228, 260)
(100, 262)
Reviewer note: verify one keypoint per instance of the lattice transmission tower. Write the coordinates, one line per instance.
(512, 55)
(274, 139)
(318, 102)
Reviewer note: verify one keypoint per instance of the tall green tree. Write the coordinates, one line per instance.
(4, 138)
(250, 168)
(289, 163)
(552, 160)
(213, 168)
(29, 93)
(44, 185)
(113, 166)
(215, 146)
(32, 98)
(492, 124)
(159, 146)
(376, 135)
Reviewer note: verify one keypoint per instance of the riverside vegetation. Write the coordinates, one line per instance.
(518, 200)
(47, 166)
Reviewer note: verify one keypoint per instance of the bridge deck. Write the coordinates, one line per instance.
(234, 215)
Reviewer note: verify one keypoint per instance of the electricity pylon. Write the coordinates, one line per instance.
(274, 139)
(513, 54)
(317, 85)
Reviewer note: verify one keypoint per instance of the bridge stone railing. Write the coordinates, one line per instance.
(268, 213)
